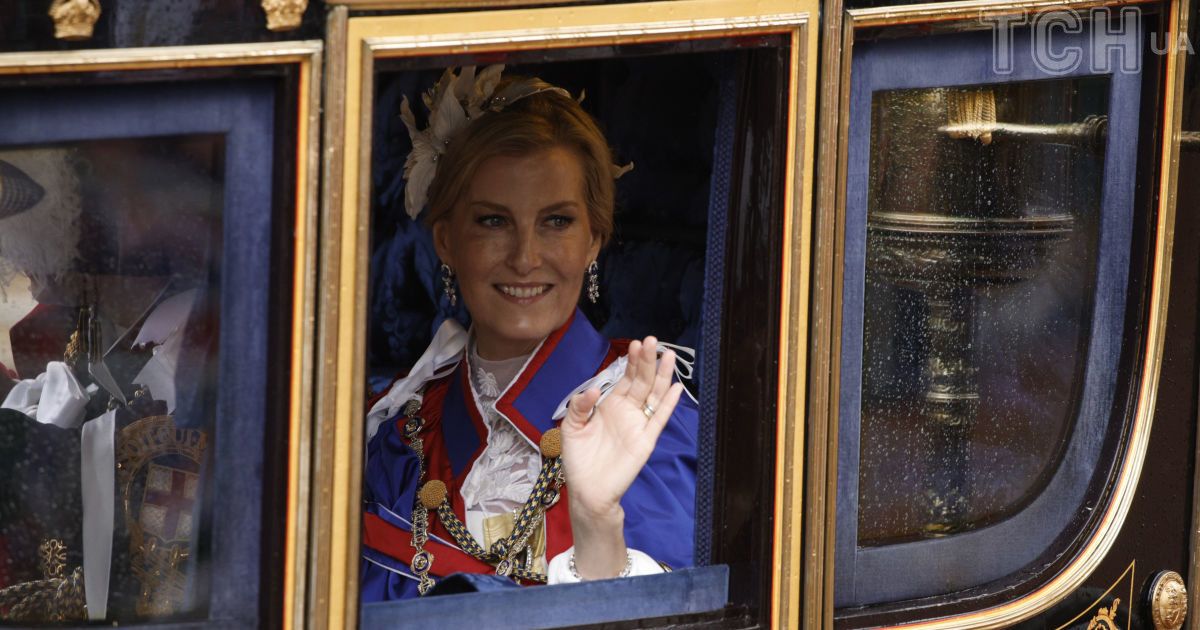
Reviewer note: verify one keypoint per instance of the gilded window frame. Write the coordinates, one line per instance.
(406, 5)
(820, 511)
(354, 44)
(307, 56)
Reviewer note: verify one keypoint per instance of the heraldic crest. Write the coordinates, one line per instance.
(158, 480)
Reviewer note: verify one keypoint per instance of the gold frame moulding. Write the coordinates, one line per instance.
(306, 56)
(356, 44)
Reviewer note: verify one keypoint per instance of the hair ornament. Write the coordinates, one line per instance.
(519, 90)
(453, 102)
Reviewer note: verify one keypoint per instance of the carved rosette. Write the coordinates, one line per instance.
(1168, 601)
(74, 19)
(284, 15)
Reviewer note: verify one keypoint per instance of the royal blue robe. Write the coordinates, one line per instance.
(659, 506)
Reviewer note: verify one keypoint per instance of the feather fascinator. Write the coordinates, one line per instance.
(453, 102)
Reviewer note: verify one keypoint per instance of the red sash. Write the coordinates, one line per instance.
(386, 538)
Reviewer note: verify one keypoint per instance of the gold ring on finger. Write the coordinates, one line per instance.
(648, 409)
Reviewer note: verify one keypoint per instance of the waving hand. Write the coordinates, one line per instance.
(606, 445)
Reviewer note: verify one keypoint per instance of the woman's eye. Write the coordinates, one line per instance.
(490, 220)
(559, 221)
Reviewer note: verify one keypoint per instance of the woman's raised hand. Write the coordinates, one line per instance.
(605, 446)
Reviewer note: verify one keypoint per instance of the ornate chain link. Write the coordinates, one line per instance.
(52, 599)
(504, 554)
(422, 560)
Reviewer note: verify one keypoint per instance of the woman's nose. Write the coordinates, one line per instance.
(526, 252)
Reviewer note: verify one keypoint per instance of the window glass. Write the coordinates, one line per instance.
(986, 344)
(660, 209)
(109, 287)
(682, 177)
(982, 225)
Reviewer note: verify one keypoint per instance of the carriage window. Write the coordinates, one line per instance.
(125, 250)
(109, 252)
(510, 281)
(990, 244)
(433, 271)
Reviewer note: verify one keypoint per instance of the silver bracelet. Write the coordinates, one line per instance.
(624, 572)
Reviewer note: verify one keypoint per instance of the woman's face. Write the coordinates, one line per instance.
(519, 243)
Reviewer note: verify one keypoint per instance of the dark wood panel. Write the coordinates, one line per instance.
(745, 483)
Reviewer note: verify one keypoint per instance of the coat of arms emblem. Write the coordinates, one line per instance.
(158, 478)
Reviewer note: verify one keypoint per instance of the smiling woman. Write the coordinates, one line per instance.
(470, 452)
(520, 243)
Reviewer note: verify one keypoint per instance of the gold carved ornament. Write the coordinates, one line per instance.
(158, 473)
(1106, 618)
(74, 19)
(54, 558)
(284, 15)
(55, 597)
(1168, 601)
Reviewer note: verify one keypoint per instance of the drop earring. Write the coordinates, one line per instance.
(593, 282)
(448, 285)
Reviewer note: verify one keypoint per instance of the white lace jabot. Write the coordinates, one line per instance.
(502, 478)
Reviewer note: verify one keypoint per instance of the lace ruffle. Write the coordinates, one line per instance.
(503, 476)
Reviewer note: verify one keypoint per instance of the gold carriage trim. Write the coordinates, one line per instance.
(74, 19)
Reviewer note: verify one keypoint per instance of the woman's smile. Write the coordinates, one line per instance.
(524, 293)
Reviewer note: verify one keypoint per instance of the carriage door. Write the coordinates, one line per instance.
(1014, 385)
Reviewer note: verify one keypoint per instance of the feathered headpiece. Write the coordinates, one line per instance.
(453, 102)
